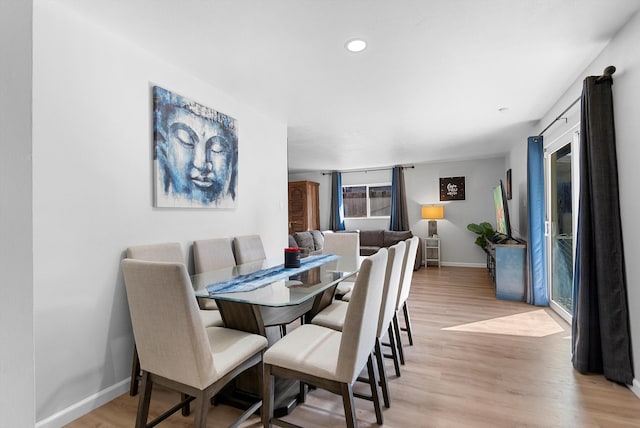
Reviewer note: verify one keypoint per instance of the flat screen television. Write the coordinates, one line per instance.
(503, 224)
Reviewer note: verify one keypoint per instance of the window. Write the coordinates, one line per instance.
(367, 200)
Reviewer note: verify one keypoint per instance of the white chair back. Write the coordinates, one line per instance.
(165, 252)
(342, 244)
(361, 322)
(170, 338)
(407, 272)
(393, 276)
(212, 254)
(248, 249)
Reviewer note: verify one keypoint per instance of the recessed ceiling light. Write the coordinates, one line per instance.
(356, 45)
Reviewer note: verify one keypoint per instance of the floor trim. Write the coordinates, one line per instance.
(455, 264)
(85, 406)
(635, 388)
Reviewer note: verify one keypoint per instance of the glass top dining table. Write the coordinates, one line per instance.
(289, 286)
(280, 297)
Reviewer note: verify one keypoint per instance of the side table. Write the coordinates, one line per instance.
(431, 251)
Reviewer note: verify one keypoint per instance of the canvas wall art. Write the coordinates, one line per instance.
(452, 189)
(195, 153)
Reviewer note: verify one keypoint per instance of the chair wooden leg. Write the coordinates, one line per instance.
(349, 406)
(186, 409)
(143, 401)
(135, 373)
(383, 374)
(267, 396)
(302, 395)
(396, 329)
(394, 349)
(407, 323)
(373, 383)
(201, 410)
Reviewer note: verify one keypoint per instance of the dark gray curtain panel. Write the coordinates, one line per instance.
(601, 342)
(399, 215)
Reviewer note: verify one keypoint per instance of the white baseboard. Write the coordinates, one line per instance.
(85, 406)
(635, 388)
(473, 265)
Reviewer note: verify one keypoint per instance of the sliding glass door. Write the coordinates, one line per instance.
(561, 182)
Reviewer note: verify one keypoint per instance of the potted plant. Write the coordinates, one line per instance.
(484, 230)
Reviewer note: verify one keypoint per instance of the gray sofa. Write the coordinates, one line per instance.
(372, 240)
(309, 242)
(312, 241)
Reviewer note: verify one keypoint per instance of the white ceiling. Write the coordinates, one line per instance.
(427, 88)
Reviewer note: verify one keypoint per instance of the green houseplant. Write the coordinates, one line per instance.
(484, 230)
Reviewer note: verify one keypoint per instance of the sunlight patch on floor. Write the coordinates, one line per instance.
(533, 324)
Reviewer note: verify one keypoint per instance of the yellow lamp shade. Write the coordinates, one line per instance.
(433, 212)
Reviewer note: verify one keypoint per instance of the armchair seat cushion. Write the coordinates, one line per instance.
(310, 349)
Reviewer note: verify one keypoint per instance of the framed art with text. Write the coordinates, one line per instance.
(452, 189)
(195, 153)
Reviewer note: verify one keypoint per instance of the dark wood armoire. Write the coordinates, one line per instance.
(304, 208)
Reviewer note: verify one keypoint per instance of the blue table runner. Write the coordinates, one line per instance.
(255, 280)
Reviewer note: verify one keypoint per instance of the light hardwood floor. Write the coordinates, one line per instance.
(476, 362)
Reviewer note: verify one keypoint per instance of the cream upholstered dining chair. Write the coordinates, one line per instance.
(331, 359)
(334, 315)
(346, 244)
(403, 295)
(212, 254)
(176, 350)
(163, 252)
(248, 249)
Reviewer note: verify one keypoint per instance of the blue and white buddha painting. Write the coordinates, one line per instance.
(195, 153)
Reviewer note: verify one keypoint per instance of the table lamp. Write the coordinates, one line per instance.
(432, 213)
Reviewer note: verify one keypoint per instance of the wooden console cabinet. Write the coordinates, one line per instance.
(507, 264)
(304, 207)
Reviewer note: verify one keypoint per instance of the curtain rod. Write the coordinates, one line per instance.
(371, 169)
(560, 116)
(606, 74)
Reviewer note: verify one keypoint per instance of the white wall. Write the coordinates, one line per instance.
(423, 188)
(622, 53)
(17, 391)
(92, 197)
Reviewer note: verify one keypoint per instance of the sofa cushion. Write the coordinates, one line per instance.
(305, 241)
(292, 242)
(372, 238)
(392, 237)
(318, 239)
(368, 250)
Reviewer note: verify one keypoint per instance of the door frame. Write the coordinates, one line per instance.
(570, 136)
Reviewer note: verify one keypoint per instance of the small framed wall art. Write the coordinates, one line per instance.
(508, 190)
(452, 189)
